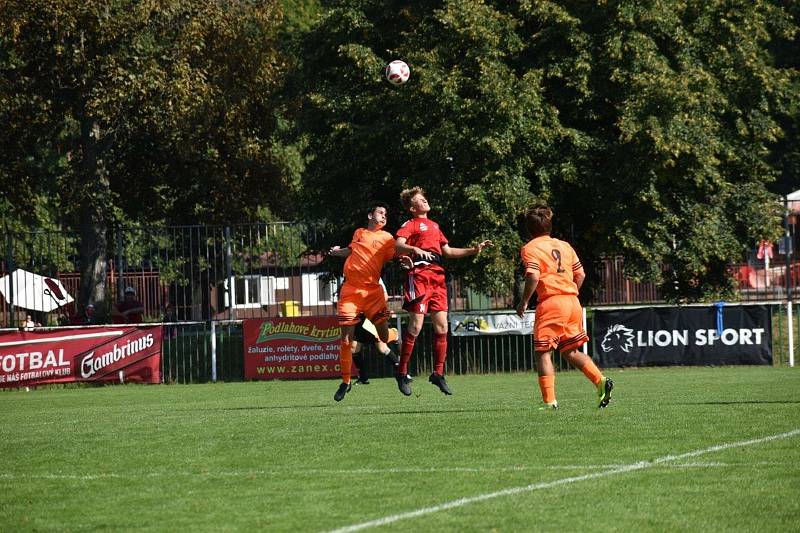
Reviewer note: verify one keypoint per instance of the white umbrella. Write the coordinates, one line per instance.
(34, 292)
(793, 199)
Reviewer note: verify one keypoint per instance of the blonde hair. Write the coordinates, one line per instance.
(408, 194)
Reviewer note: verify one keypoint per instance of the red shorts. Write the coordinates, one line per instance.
(356, 299)
(425, 291)
(559, 324)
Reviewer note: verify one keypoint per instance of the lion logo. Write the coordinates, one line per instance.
(618, 336)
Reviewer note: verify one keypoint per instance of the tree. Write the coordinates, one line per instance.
(647, 126)
(155, 112)
(693, 104)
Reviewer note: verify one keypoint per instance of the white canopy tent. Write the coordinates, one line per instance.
(793, 199)
(33, 292)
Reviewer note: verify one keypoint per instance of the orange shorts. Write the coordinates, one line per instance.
(558, 324)
(357, 299)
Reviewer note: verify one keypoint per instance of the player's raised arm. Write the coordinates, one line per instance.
(457, 253)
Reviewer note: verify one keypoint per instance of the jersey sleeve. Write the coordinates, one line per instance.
(530, 261)
(442, 239)
(405, 230)
(356, 237)
(576, 263)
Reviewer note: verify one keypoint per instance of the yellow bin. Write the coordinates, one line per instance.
(290, 308)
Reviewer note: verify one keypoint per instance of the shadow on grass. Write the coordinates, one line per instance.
(440, 411)
(256, 408)
(744, 402)
(365, 413)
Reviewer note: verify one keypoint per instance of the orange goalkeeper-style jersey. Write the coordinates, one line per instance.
(369, 250)
(556, 263)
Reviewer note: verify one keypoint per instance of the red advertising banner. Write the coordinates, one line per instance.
(96, 354)
(291, 348)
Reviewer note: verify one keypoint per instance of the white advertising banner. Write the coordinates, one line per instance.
(471, 324)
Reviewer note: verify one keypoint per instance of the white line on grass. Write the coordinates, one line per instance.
(641, 465)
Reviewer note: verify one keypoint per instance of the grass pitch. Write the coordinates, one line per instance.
(696, 449)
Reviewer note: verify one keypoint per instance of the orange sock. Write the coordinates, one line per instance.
(392, 335)
(346, 361)
(591, 371)
(547, 384)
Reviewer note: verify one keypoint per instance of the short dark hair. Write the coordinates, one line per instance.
(539, 220)
(376, 205)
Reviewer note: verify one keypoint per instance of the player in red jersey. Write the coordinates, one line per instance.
(362, 292)
(425, 290)
(554, 272)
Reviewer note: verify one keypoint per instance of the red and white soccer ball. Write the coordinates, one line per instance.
(397, 72)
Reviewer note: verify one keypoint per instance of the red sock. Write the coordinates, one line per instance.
(405, 352)
(439, 352)
(345, 361)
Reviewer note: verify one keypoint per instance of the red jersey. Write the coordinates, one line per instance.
(369, 250)
(555, 261)
(423, 233)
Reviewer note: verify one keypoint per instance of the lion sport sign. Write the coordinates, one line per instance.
(717, 334)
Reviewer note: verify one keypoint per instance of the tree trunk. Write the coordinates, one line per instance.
(93, 222)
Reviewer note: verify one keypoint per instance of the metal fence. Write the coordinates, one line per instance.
(199, 352)
(196, 273)
(204, 280)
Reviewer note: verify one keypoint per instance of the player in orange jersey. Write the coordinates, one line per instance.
(554, 272)
(362, 292)
(425, 289)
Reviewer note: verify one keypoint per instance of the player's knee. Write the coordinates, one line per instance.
(439, 330)
(413, 329)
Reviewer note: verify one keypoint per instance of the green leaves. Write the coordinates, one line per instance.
(640, 123)
(181, 94)
(655, 130)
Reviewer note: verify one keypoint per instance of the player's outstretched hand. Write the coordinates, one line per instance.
(521, 308)
(483, 244)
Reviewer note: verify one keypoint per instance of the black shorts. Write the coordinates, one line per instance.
(361, 335)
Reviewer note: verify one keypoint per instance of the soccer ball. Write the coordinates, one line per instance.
(397, 72)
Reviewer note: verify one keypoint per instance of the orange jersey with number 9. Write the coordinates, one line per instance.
(556, 263)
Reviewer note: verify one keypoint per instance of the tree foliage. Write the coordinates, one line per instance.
(659, 130)
(154, 112)
(648, 126)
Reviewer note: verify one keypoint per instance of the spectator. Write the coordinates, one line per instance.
(28, 324)
(169, 319)
(129, 310)
(87, 318)
(89, 315)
